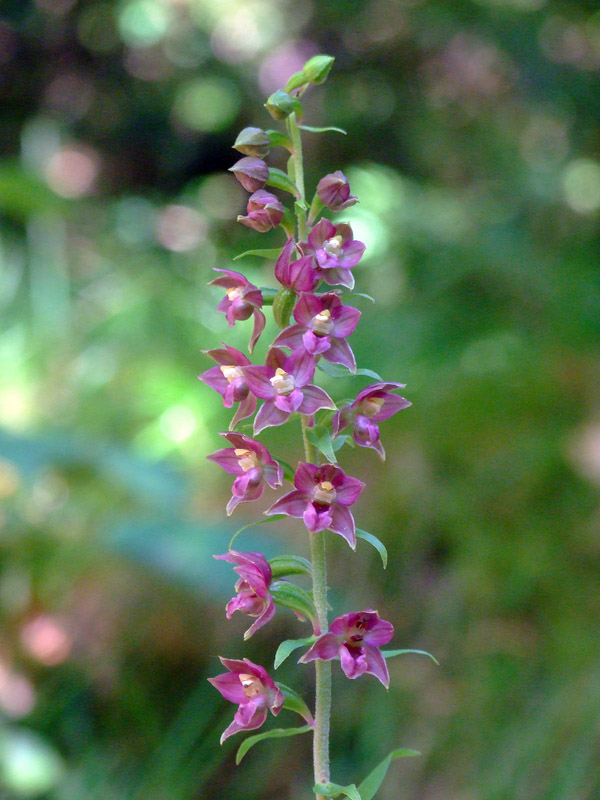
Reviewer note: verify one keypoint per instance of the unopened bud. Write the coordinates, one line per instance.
(317, 68)
(280, 105)
(334, 191)
(252, 173)
(252, 142)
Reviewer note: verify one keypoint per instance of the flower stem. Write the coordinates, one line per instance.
(295, 136)
(323, 668)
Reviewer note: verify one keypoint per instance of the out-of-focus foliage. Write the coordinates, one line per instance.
(473, 144)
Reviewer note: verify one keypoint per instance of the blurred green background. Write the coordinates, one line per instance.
(473, 144)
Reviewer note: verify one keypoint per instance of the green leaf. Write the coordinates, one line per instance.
(335, 790)
(377, 544)
(368, 788)
(289, 565)
(268, 294)
(280, 180)
(279, 139)
(288, 472)
(358, 294)
(292, 596)
(274, 518)
(339, 441)
(286, 648)
(297, 80)
(339, 371)
(276, 733)
(321, 438)
(317, 68)
(294, 702)
(311, 129)
(271, 252)
(392, 653)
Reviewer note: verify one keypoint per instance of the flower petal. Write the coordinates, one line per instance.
(269, 416)
(258, 380)
(259, 326)
(293, 504)
(314, 399)
(326, 648)
(345, 321)
(245, 409)
(348, 491)
(340, 353)
(342, 522)
(376, 664)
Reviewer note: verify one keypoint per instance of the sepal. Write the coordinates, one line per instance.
(252, 142)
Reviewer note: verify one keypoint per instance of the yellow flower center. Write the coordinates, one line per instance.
(370, 406)
(231, 373)
(282, 381)
(251, 685)
(333, 246)
(324, 493)
(246, 459)
(321, 323)
(234, 293)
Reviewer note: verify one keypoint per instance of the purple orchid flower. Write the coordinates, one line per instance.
(323, 325)
(284, 384)
(334, 252)
(252, 173)
(334, 191)
(355, 639)
(299, 275)
(265, 211)
(242, 299)
(252, 588)
(252, 463)
(322, 498)
(250, 686)
(374, 404)
(229, 380)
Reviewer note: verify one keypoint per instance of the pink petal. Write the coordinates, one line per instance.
(391, 405)
(349, 491)
(351, 254)
(341, 353)
(314, 399)
(228, 356)
(307, 307)
(265, 617)
(290, 337)
(245, 409)
(258, 380)
(353, 661)
(317, 519)
(343, 523)
(326, 648)
(293, 504)
(282, 265)
(316, 345)
(269, 416)
(259, 326)
(322, 231)
(345, 321)
(214, 378)
(301, 365)
(376, 665)
(227, 460)
(230, 279)
(338, 277)
(306, 477)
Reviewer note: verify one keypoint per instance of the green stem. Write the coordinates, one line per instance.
(296, 138)
(323, 668)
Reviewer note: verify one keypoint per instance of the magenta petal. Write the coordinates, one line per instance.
(341, 353)
(380, 633)
(290, 337)
(305, 477)
(342, 522)
(353, 661)
(317, 519)
(259, 326)
(265, 617)
(230, 687)
(349, 492)
(254, 722)
(314, 399)
(303, 275)
(246, 409)
(307, 307)
(293, 504)
(269, 416)
(214, 378)
(351, 254)
(392, 404)
(258, 380)
(345, 321)
(315, 345)
(228, 356)
(338, 277)
(326, 648)
(227, 460)
(376, 664)
(302, 366)
(273, 474)
(289, 403)
(282, 265)
(230, 279)
(319, 234)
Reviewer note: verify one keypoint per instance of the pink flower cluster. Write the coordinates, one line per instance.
(315, 275)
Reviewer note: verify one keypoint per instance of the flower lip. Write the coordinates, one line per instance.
(333, 246)
(322, 323)
(231, 373)
(324, 493)
(283, 382)
(251, 684)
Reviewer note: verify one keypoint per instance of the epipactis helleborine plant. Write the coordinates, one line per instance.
(313, 270)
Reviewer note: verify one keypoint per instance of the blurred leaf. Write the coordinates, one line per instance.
(392, 653)
(369, 787)
(294, 702)
(270, 252)
(276, 733)
(312, 129)
(335, 790)
(320, 436)
(377, 544)
(265, 521)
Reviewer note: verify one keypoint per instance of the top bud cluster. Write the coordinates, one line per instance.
(313, 269)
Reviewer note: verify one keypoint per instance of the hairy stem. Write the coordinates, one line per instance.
(295, 136)
(323, 668)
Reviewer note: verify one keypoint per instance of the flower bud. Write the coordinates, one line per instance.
(252, 142)
(251, 172)
(317, 68)
(265, 211)
(334, 191)
(280, 105)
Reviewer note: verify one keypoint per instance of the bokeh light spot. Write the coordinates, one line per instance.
(207, 104)
(143, 22)
(581, 184)
(178, 423)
